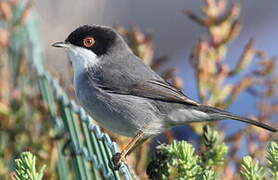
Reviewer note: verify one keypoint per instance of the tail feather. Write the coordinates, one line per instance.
(250, 121)
(228, 115)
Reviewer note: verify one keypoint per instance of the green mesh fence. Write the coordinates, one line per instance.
(91, 150)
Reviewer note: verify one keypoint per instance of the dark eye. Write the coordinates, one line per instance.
(88, 42)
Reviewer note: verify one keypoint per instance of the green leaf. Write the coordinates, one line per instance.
(272, 157)
(215, 150)
(178, 161)
(207, 174)
(25, 167)
(250, 170)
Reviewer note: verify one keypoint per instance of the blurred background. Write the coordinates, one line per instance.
(219, 53)
(173, 33)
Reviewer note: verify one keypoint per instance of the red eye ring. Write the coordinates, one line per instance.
(88, 42)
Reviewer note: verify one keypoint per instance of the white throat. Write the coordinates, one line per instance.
(81, 59)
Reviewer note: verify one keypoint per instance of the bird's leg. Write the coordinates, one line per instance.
(118, 157)
(138, 143)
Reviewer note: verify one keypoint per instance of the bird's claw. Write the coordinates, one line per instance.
(117, 159)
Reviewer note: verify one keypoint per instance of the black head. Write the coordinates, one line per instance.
(98, 39)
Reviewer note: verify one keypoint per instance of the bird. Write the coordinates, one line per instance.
(124, 95)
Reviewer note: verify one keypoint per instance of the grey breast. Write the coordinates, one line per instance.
(122, 114)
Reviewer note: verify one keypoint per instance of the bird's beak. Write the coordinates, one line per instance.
(60, 44)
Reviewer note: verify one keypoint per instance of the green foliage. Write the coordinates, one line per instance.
(215, 150)
(250, 170)
(25, 167)
(272, 157)
(178, 161)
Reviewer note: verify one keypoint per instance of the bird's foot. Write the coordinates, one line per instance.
(117, 159)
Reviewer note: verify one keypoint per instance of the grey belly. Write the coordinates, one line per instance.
(122, 114)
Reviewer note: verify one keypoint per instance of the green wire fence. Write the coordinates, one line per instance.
(91, 150)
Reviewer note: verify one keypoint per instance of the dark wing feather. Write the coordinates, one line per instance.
(153, 89)
(160, 90)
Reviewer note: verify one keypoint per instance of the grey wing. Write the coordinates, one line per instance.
(140, 82)
(160, 90)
